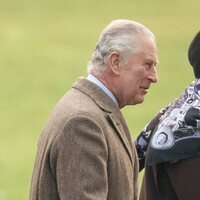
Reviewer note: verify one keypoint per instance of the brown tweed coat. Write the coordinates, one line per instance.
(85, 151)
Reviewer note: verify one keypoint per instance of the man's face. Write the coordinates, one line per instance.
(136, 78)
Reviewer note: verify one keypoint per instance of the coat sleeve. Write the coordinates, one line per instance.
(79, 160)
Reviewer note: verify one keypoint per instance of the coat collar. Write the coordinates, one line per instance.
(97, 94)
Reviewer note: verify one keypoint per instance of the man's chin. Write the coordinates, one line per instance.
(138, 101)
(141, 101)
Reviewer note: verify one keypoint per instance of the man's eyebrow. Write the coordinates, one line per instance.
(152, 61)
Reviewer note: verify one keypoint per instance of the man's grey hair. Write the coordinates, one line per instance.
(122, 36)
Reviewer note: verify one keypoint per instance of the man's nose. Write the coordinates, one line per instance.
(153, 76)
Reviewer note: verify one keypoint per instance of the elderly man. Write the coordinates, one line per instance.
(85, 151)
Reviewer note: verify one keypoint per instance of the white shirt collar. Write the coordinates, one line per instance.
(102, 86)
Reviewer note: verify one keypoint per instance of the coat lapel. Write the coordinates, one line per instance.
(118, 127)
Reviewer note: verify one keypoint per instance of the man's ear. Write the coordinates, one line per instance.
(114, 62)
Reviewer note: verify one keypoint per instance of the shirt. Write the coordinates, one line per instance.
(102, 86)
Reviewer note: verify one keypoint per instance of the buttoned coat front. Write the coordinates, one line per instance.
(85, 151)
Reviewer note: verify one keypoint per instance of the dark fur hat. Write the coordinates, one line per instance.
(194, 55)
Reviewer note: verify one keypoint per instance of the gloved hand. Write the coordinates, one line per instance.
(192, 117)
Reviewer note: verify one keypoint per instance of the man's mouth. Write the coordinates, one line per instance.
(145, 89)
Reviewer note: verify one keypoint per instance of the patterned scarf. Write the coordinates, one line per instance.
(168, 137)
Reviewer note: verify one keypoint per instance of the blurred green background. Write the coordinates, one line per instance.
(45, 46)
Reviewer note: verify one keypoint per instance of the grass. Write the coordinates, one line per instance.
(45, 46)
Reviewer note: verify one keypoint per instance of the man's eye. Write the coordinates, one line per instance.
(148, 65)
